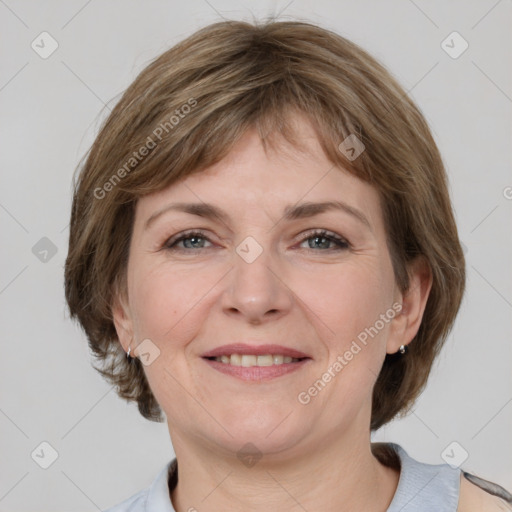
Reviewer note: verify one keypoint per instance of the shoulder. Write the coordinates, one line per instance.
(156, 497)
(135, 503)
(473, 498)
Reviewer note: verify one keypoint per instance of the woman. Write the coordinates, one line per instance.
(262, 247)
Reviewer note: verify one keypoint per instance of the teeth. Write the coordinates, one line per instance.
(264, 360)
(248, 360)
(235, 360)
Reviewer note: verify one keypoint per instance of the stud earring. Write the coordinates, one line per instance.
(403, 349)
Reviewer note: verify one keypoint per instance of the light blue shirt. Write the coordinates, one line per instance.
(421, 488)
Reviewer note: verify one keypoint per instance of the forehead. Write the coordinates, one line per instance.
(251, 178)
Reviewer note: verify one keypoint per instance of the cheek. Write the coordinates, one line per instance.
(349, 304)
(351, 297)
(162, 300)
(166, 305)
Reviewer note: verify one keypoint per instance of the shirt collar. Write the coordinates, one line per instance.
(159, 498)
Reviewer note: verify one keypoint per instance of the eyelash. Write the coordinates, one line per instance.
(342, 243)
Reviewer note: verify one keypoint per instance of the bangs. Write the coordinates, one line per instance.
(207, 134)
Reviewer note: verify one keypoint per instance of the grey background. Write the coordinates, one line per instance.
(51, 109)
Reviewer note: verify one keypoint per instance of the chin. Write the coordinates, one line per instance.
(266, 430)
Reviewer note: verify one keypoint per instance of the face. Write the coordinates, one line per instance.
(316, 283)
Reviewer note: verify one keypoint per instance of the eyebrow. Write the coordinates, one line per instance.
(291, 212)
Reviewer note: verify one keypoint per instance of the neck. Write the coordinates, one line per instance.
(338, 474)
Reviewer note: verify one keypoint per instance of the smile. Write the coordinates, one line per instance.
(248, 360)
(248, 367)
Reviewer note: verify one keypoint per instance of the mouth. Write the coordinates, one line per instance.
(249, 360)
(255, 362)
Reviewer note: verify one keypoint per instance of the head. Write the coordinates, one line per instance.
(256, 120)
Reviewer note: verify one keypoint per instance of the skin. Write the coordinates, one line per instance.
(474, 499)
(302, 292)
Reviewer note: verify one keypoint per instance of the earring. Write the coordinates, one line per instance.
(403, 349)
(128, 355)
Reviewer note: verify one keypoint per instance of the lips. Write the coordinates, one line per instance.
(256, 350)
(256, 362)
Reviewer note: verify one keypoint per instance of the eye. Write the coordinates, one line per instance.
(322, 238)
(191, 240)
(196, 240)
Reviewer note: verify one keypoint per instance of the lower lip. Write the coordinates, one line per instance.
(257, 373)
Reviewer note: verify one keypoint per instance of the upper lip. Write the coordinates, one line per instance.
(258, 350)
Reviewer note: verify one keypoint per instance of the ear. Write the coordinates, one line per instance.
(122, 317)
(406, 323)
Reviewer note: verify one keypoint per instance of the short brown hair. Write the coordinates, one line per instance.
(232, 76)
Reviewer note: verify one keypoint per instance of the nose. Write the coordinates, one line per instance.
(256, 291)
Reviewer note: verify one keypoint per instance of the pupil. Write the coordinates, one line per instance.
(317, 238)
(193, 239)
